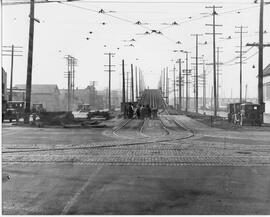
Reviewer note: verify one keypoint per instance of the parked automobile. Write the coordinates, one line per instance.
(14, 111)
(250, 114)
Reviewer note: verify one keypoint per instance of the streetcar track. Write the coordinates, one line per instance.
(146, 140)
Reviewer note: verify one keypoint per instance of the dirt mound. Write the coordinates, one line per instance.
(57, 118)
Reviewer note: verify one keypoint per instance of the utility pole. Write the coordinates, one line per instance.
(127, 86)
(218, 74)
(180, 84)
(11, 73)
(132, 85)
(136, 83)
(174, 92)
(140, 85)
(73, 64)
(214, 25)
(29, 62)
(260, 45)
(187, 84)
(72, 80)
(187, 72)
(212, 90)
(260, 66)
(68, 73)
(167, 86)
(204, 85)
(194, 88)
(123, 89)
(241, 57)
(10, 51)
(164, 82)
(196, 72)
(110, 71)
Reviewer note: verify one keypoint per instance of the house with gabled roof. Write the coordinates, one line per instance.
(45, 94)
(266, 88)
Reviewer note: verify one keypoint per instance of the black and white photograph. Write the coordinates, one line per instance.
(135, 107)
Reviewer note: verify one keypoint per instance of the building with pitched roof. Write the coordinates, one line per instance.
(266, 88)
(45, 94)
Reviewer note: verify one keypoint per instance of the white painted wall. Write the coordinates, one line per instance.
(267, 102)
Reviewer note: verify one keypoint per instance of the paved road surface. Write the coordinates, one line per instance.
(79, 171)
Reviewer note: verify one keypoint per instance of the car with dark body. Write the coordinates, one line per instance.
(250, 114)
(14, 111)
(245, 113)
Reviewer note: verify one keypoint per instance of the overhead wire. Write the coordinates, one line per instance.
(243, 59)
(164, 2)
(227, 62)
(116, 17)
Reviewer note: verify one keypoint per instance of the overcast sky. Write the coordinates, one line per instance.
(64, 29)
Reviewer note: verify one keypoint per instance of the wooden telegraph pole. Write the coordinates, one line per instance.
(241, 58)
(196, 72)
(132, 85)
(180, 84)
(29, 62)
(260, 45)
(110, 71)
(123, 89)
(214, 25)
(174, 90)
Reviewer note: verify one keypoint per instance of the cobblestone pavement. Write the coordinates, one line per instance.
(159, 149)
(166, 153)
(96, 172)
